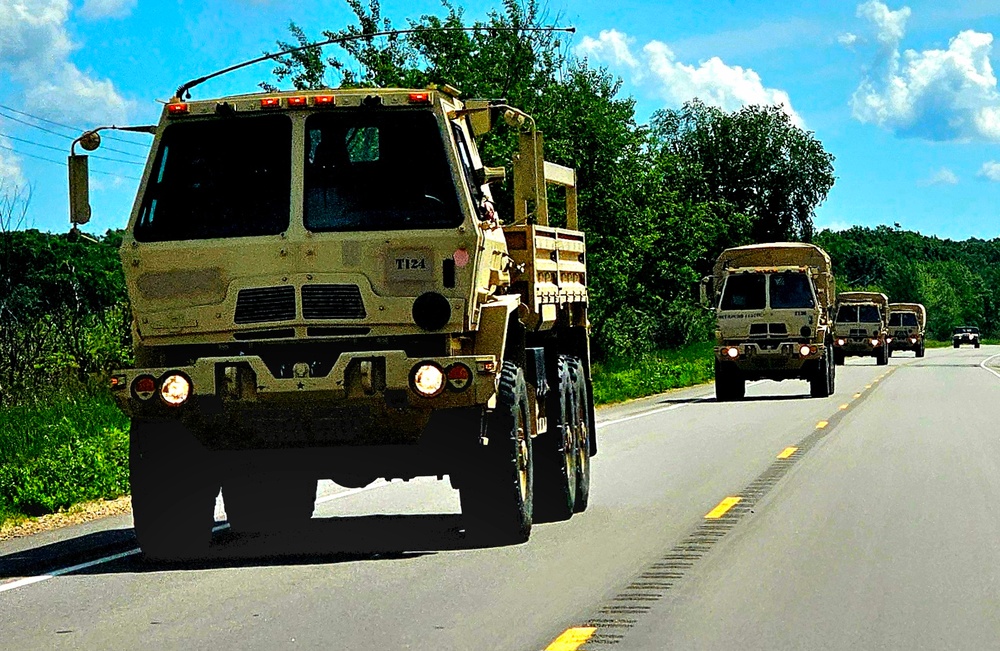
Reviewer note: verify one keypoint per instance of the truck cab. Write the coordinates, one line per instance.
(907, 324)
(861, 326)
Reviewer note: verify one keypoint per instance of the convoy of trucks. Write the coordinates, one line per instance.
(322, 287)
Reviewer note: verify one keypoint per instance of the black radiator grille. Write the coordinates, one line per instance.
(332, 302)
(264, 304)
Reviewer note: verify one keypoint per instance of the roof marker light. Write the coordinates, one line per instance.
(297, 101)
(325, 100)
(179, 108)
(270, 103)
(420, 98)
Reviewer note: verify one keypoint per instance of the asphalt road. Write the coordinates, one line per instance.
(877, 532)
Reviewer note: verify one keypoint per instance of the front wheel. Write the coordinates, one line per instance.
(882, 356)
(839, 358)
(173, 491)
(729, 382)
(955, 344)
(821, 382)
(920, 351)
(497, 495)
(581, 420)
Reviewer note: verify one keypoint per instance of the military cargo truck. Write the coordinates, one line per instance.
(861, 326)
(322, 288)
(773, 307)
(907, 322)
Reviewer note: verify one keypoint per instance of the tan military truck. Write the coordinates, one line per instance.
(322, 288)
(907, 323)
(861, 326)
(773, 307)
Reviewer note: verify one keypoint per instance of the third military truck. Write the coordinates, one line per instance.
(862, 324)
(907, 323)
(773, 305)
(322, 288)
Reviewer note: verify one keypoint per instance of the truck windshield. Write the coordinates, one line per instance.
(377, 170)
(902, 319)
(791, 290)
(858, 314)
(219, 178)
(744, 292)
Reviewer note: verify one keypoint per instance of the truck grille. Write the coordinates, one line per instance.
(263, 304)
(768, 329)
(332, 302)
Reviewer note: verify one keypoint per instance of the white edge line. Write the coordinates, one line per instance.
(983, 365)
(660, 410)
(31, 580)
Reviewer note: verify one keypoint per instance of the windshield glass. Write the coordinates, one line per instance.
(744, 292)
(219, 178)
(377, 170)
(959, 331)
(859, 314)
(791, 290)
(902, 319)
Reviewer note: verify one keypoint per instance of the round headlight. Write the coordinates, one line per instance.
(175, 390)
(888, 340)
(874, 342)
(841, 342)
(427, 379)
(733, 352)
(913, 340)
(804, 350)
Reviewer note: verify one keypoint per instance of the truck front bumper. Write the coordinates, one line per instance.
(857, 347)
(366, 398)
(783, 360)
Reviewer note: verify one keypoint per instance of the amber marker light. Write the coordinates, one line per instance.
(420, 98)
(459, 377)
(270, 103)
(175, 390)
(324, 100)
(297, 101)
(179, 108)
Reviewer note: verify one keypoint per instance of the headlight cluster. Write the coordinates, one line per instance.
(805, 350)
(874, 342)
(732, 352)
(428, 379)
(888, 340)
(174, 388)
(913, 340)
(841, 342)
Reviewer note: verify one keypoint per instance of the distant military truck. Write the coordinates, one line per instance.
(862, 326)
(965, 335)
(773, 307)
(322, 288)
(907, 322)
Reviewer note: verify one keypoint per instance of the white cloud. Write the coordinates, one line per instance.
(10, 167)
(98, 9)
(990, 171)
(35, 52)
(935, 94)
(712, 81)
(943, 176)
(848, 39)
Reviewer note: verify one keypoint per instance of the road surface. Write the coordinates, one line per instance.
(878, 529)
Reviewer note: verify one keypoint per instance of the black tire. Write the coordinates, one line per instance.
(497, 496)
(258, 500)
(556, 454)
(581, 421)
(820, 382)
(173, 491)
(882, 356)
(920, 351)
(977, 344)
(839, 358)
(890, 352)
(729, 382)
(955, 344)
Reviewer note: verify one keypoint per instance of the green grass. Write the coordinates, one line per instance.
(62, 451)
(617, 380)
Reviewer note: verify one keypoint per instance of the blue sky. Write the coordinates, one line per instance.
(903, 94)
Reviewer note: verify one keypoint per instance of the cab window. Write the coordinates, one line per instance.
(744, 292)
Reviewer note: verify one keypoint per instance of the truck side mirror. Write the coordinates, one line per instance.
(704, 291)
(79, 189)
(486, 175)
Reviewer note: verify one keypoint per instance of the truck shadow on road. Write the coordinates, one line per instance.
(322, 541)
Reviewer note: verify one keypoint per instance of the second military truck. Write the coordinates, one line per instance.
(862, 326)
(322, 288)
(773, 306)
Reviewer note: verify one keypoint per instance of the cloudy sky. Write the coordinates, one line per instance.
(903, 94)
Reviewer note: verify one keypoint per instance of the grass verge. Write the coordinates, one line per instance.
(622, 379)
(61, 452)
